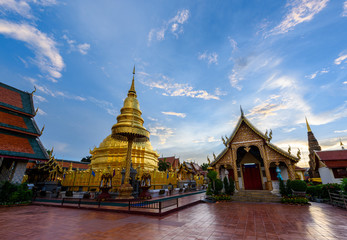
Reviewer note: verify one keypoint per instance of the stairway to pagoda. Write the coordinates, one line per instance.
(255, 196)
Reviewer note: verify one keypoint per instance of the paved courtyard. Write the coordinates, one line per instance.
(204, 221)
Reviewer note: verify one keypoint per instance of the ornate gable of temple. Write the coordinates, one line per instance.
(246, 134)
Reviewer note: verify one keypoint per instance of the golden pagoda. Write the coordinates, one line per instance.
(112, 151)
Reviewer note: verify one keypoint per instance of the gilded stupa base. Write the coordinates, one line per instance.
(125, 191)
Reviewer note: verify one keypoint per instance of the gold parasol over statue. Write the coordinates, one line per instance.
(129, 128)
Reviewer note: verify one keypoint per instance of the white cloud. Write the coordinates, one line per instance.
(317, 73)
(340, 131)
(345, 82)
(234, 79)
(108, 106)
(47, 91)
(233, 43)
(176, 89)
(344, 13)
(152, 119)
(41, 112)
(299, 11)
(39, 98)
(289, 107)
(210, 57)
(82, 48)
(163, 133)
(174, 24)
(22, 7)
(340, 59)
(181, 115)
(48, 58)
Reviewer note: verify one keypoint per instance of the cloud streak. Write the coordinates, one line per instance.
(82, 48)
(299, 11)
(181, 115)
(175, 89)
(47, 55)
(174, 25)
(210, 57)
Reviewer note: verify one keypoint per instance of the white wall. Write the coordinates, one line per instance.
(327, 176)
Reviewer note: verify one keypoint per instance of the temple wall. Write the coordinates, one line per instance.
(76, 180)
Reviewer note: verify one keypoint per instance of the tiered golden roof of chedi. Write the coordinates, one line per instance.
(112, 151)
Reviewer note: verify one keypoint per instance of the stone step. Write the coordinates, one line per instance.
(255, 196)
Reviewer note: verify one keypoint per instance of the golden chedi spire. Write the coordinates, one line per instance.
(113, 149)
(129, 122)
(308, 126)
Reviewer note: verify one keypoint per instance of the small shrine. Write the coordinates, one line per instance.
(252, 161)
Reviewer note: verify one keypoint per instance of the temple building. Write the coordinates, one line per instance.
(19, 134)
(251, 160)
(329, 165)
(313, 146)
(112, 152)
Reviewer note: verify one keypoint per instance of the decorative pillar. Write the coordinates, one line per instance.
(291, 172)
(233, 160)
(268, 183)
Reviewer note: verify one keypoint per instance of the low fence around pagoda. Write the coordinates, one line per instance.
(150, 207)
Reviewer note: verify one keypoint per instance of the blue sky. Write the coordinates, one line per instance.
(196, 63)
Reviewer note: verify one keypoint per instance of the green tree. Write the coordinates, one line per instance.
(163, 165)
(87, 159)
(204, 166)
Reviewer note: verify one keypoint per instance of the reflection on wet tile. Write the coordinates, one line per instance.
(204, 221)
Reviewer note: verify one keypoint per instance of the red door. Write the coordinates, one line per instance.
(251, 177)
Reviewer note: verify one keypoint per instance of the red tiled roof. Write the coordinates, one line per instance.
(74, 164)
(332, 155)
(13, 120)
(299, 169)
(333, 158)
(174, 162)
(15, 144)
(10, 97)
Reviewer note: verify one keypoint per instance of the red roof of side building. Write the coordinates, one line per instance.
(174, 162)
(333, 158)
(64, 163)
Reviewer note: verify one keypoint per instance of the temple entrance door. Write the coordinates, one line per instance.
(251, 176)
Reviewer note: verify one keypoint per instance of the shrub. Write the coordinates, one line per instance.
(344, 185)
(312, 191)
(288, 188)
(298, 185)
(231, 189)
(14, 193)
(222, 197)
(218, 186)
(209, 189)
(283, 190)
(226, 184)
(294, 200)
(212, 175)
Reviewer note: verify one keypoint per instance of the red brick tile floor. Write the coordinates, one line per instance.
(234, 220)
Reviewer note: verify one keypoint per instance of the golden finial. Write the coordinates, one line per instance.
(341, 144)
(43, 128)
(214, 156)
(33, 91)
(241, 111)
(289, 150)
(208, 160)
(270, 135)
(308, 126)
(298, 154)
(132, 88)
